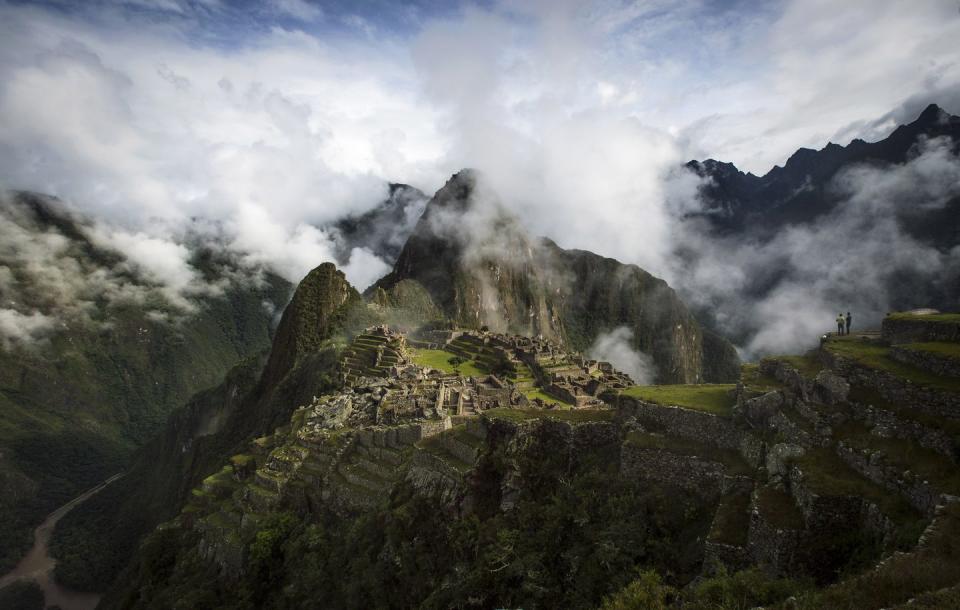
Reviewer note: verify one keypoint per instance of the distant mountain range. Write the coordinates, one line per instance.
(741, 203)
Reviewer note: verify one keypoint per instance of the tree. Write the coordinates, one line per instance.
(455, 362)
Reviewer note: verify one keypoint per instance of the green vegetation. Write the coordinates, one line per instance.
(828, 475)
(730, 458)
(941, 348)
(570, 415)
(442, 360)
(732, 521)
(932, 567)
(550, 400)
(869, 396)
(710, 398)
(941, 472)
(576, 534)
(757, 382)
(807, 365)
(778, 508)
(22, 595)
(953, 318)
(740, 591)
(877, 356)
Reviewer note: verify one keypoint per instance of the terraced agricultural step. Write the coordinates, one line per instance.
(356, 475)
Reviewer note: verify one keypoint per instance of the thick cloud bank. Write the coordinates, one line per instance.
(779, 295)
(258, 129)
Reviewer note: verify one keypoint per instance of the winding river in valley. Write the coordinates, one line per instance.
(38, 564)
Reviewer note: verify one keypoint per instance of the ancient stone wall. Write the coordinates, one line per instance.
(773, 548)
(887, 424)
(687, 472)
(697, 425)
(872, 465)
(927, 361)
(897, 390)
(918, 330)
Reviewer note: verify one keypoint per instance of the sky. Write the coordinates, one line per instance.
(270, 118)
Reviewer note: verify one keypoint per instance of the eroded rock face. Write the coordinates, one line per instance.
(831, 388)
(779, 460)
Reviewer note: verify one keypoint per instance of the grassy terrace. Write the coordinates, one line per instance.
(807, 365)
(757, 382)
(570, 415)
(730, 458)
(708, 397)
(779, 509)
(936, 317)
(828, 475)
(440, 359)
(732, 522)
(877, 356)
(537, 393)
(434, 445)
(942, 349)
(908, 455)
(869, 396)
(902, 577)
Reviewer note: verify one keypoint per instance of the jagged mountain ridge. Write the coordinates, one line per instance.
(798, 192)
(482, 269)
(382, 230)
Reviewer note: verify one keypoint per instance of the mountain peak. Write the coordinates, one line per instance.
(932, 115)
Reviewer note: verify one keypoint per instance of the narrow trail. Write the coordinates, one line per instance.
(38, 565)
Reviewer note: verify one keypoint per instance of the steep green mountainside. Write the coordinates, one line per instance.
(257, 395)
(93, 356)
(481, 269)
(826, 480)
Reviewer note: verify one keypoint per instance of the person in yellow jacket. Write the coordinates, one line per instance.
(841, 321)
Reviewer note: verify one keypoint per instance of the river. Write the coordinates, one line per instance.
(38, 564)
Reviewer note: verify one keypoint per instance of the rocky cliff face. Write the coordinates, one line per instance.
(482, 269)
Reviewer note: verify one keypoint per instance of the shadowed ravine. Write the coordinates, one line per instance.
(38, 565)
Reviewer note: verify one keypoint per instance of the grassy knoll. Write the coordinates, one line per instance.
(707, 397)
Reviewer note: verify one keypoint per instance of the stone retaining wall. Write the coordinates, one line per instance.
(688, 472)
(887, 424)
(927, 361)
(872, 465)
(896, 390)
(703, 427)
(918, 330)
(771, 547)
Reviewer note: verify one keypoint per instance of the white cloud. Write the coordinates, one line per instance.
(615, 347)
(23, 329)
(578, 115)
